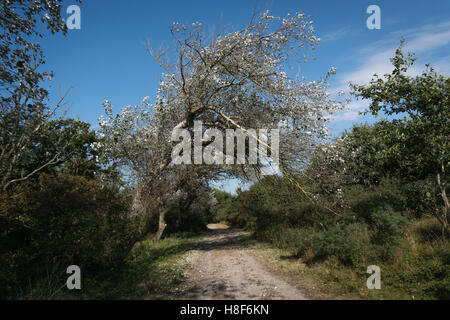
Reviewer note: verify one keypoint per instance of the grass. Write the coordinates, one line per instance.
(420, 269)
(153, 270)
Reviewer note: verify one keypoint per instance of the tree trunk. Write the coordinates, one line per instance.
(162, 224)
(137, 207)
(446, 216)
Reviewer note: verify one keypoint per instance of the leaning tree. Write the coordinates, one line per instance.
(234, 79)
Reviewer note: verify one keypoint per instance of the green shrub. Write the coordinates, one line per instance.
(364, 200)
(243, 220)
(191, 220)
(223, 207)
(387, 226)
(282, 237)
(347, 243)
(70, 220)
(422, 197)
(387, 223)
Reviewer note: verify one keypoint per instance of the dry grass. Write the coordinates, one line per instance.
(419, 271)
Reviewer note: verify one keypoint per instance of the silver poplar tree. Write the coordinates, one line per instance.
(232, 79)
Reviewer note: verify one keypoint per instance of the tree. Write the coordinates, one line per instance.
(22, 97)
(73, 141)
(426, 129)
(223, 205)
(235, 80)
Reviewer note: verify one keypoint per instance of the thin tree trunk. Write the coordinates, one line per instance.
(445, 218)
(162, 224)
(137, 206)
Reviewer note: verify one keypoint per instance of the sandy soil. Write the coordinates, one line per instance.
(222, 268)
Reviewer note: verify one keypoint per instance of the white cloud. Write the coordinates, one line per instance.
(419, 40)
(374, 59)
(346, 116)
(351, 112)
(442, 65)
(337, 35)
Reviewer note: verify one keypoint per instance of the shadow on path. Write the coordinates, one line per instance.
(222, 268)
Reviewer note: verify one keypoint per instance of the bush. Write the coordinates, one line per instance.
(282, 237)
(387, 223)
(364, 200)
(276, 202)
(347, 243)
(240, 219)
(222, 206)
(387, 226)
(69, 220)
(192, 220)
(422, 197)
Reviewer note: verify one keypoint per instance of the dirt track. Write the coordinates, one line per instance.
(223, 269)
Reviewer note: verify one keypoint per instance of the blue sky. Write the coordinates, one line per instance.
(107, 58)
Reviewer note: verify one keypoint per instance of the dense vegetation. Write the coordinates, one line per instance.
(63, 200)
(72, 195)
(65, 215)
(375, 195)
